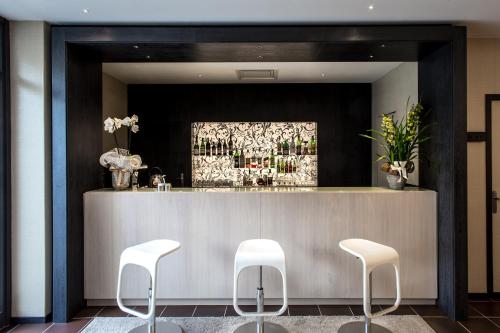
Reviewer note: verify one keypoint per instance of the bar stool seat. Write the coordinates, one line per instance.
(371, 255)
(147, 255)
(259, 252)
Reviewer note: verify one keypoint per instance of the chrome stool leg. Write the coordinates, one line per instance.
(260, 326)
(364, 326)
(152, 326)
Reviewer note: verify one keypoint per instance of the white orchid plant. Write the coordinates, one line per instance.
(111, 125)
(120, 158)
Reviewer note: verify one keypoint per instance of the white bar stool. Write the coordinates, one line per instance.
(259, 252)
(372, 255)
(147, 256)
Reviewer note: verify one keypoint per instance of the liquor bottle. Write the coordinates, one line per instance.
(292, 146)
(207, 147)
(242, 158)
(230, 144)
(214, 149)
(265, 160)
(284, 166)
(278, 167)
(202, 147)
(196, 148)
(224, 148)
(253, 162)
(294, 167)
(305, 150)
(289, 167)
(270, 178)
(236, 159)
(286, 148)
(247, 160)
(259, 159)
(279, 151)
(298, 145)
(219, 148)
(312, 146)
(272, 160)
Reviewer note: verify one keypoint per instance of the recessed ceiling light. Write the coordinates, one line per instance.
(148, 57)
(136, 46)
(371, 7)
(371, 56)
(85, 10)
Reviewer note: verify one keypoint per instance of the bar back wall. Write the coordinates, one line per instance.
(341, 112)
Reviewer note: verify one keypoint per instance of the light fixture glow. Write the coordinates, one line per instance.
(85, 10)
(148, 57)
(371, 56)
(200, 76)
(136, 46)
(371, 7)
(323, 75)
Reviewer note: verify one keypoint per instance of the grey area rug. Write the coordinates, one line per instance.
(323, 324)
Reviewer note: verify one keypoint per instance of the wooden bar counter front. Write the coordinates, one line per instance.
(307, 222)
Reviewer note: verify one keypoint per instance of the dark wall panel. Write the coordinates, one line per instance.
(342, 111)
(443, 168)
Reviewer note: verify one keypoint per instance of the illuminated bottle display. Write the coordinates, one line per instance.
(254, 154)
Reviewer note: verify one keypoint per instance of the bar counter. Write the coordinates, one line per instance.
(308, 222)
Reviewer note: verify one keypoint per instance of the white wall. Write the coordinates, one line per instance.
(389, 94)
(31, 170)
(114, 104)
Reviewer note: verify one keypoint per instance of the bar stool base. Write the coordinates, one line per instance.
(161, 327)
(359, 327)
(268, 328)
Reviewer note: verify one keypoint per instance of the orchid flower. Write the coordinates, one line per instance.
(109, 125)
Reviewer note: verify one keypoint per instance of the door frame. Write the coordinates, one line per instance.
(5, 194)
(488, 104)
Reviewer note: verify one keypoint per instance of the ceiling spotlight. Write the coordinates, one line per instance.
(371, 56)
(371, 7)
(323, 75)
(383, 45)
(148, 57)
(136, 46)
(85, 10)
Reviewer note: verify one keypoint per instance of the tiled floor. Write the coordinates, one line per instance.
(484, 316)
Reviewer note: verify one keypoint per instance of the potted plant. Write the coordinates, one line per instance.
(118, 160)
(399, 141)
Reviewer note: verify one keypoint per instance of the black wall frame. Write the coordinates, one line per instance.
(488, 104)
(5, 195)
(439, 49)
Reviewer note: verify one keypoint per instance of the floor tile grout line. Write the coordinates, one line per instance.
(319, 310)
(85, 326)
(13, 328)
(485, 316)
(99, 312)
(45, 330)
(194, 311)
(352, 312)
(164, 309)
(412, 309)
(459, 323)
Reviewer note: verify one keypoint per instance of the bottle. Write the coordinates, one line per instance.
(207, 147)
(247, 160)
(294, 167)
(286, 148)
(289, 167)
(284, 166)
(305, 150)
(224, 148)
(298, 145)
(292, 146)
(265, 161)
(230, 144)
(196, 148)
(214, 149)
(272, 160)
(312, 146)
(236, 160)
(270, 178)
(259, 159)
(278, 167)
(219, 148)
(202, 147)
(253, 162)
(279, 150)
(242, 158)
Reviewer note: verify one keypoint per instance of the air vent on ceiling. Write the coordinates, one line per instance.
(257, 74)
